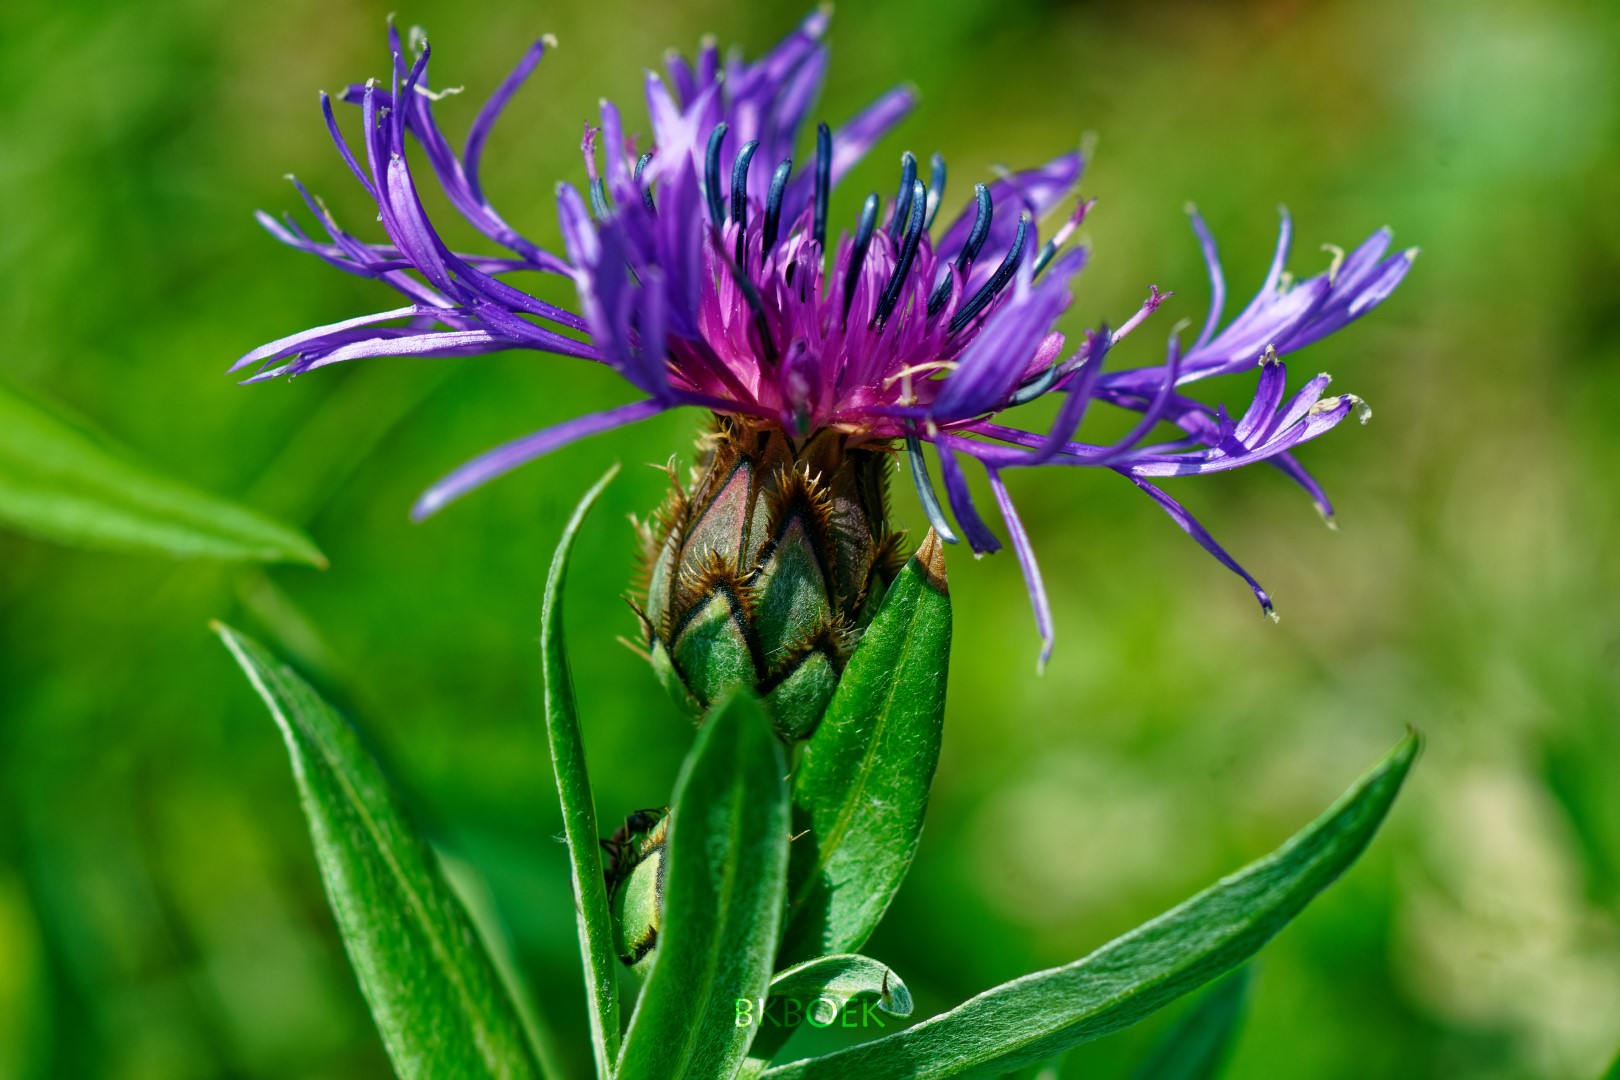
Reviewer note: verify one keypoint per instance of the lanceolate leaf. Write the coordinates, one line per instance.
(727, 854)
(61, 483)
(578, 806)
(862, 783)
(819, 991)
(1196, 1048)
(437, 1000)
(841, 979)
(475, 896)
(1040, 1015)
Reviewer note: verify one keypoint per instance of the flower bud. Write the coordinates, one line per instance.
(764, 570)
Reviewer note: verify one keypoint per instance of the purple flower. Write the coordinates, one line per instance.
(707, 276)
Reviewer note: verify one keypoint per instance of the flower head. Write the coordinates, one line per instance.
(709, 275)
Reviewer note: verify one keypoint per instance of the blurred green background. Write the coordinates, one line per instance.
(160, 911)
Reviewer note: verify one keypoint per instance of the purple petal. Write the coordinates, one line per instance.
(979, 536)
(1192, 528)
(1361, 261)
(472, 157)
(290, 343)
(1033, 583)
(579, 232)
(1155, 410)
(1267, 396)
(1217, 280)
(1290, 467)
(436, 343)
(504, 458)
(990, 367)
(343, 146)
(1072, 413)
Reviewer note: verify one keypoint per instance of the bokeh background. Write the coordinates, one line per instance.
(160, 912)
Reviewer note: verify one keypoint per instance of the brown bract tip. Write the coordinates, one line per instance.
(931, 558)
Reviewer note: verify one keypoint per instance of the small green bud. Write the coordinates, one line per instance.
(635, 878)
(764, 570)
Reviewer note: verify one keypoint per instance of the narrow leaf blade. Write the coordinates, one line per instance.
(820, 990)
(1042, 1014)
(61, 483)
(861, 788)
(578, 805)
(727, 858)
(843, 978)
(1196, 1048)
(439, 1005)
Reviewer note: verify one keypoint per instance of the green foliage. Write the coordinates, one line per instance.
(439, 1005)
(1035, 1017)
(578, 805)
(727, 855)
(861, 787)
(841, 979)
(61, 482)
(1196, 1048)
(827, 985)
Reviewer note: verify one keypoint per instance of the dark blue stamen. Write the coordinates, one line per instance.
(908, 254)
(925, 491)
(1037, 386)
(711, 175)
(970, 250)
(739, 198)
(646, 189)
(739, 182)
(857, 253)
(997, 282)
(773, 206)
(936, 188)
(981, 228)
(823, 183)
(599, 205)
(902, 200)
(1044, 257)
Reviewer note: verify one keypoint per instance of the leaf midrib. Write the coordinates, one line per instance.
(712, 952)
(931, 1069)
(435, 941)
(1134, 990)
(846, 815)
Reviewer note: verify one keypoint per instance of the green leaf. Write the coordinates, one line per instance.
(59, 482)
(727, 857)
(821, 989)
(1040, 1015)
(1196, 1048)
(437, 1000)
(578, 806)
(475, 896)
(862, 784)
(841, 979)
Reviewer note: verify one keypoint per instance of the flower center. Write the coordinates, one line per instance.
(806, 336)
